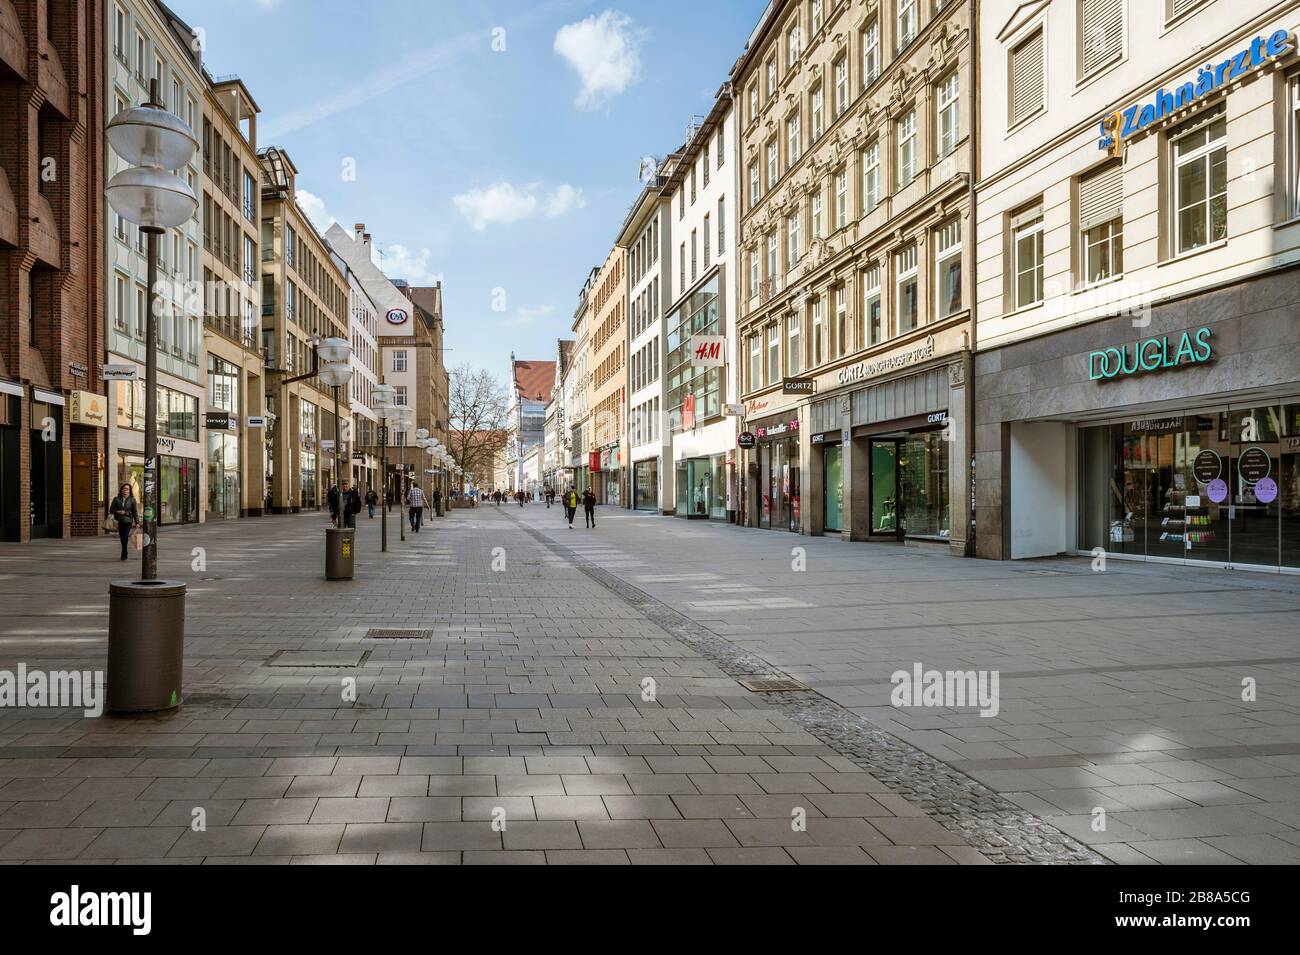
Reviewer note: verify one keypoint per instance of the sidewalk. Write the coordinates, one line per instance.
(1119, 691)
(518, 725)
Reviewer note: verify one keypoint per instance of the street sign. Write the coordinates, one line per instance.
(119, 372)
(327, 444)
(736, 411)
(256, 421)
(745, 439)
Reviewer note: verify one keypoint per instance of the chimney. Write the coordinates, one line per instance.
(365, 240)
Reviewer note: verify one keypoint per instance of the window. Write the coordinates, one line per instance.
(753, 102)
(119, 33)
(792, 46)
(400, 400)
(753, 274)
(1027, 257)
(1025, 71)
(841, 199)
(773, 354)
(722, 235)
(1176, 8)
(907, 149)
(870, 177)
(793, 359)
(870, 53)
(139, 54)
(771, 77)
(250, 197)
(681, 267)
(707, 232)
(1201, 186)
(818, 331)
(1101, 34)
(704, 164)
(692, 184)
(949, 115)
(817, 113)
(792, 237)
(719, 147)
(399, 359)
(773, 268)
(841, 322)
(906, 22)
(289, 240)
(695, 266)
(1101, 223)
(122, 304)
(771, 164)
(753, 184)
(818, 222)
(906, 285)
(1294, 145)
(140, 311)
(755, 363)
(841, 85)
(871, 314)
(681, 203)
(947, 269)
(816, 15)
(792, 140)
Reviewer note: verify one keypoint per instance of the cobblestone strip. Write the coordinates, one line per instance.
(989, 822)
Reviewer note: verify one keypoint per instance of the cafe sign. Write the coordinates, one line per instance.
(88, 408)
(1153, 354)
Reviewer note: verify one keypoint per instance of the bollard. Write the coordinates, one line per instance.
(146, 645)
(339, 549)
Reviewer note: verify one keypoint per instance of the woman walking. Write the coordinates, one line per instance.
(123, 510)
(570, 505)
(589, 506)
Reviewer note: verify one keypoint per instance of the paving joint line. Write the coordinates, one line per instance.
(986, 820)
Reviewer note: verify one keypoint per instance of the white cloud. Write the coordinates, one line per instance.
(402, 262)
(313, 206)
(529, 314)
(503, 203)
(603, 50)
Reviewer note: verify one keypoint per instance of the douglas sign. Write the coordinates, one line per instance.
(1153, 354)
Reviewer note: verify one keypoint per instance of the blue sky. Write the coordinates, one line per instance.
(494, 169)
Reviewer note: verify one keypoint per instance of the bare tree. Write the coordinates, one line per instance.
(477, 407)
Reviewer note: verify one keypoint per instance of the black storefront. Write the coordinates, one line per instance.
(774, 468)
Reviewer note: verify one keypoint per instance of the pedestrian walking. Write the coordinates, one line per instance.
(415, 503)
(350, 505)
(371, 500)
(519, 496)
(550, 496)
(122, 512)
(333, 498)
(437, 500)
(589, 506)
(570, 506)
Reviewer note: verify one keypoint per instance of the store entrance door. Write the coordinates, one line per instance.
(887, 519)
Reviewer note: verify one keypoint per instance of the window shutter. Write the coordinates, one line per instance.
(1027, 77)
(1101, 196)
(1178, 7)
(1102, 38)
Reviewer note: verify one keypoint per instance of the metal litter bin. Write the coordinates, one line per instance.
(339, 548)
(146, 645)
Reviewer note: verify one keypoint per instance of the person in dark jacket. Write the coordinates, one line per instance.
(589, 506)
(333, 499)
(371, 500)
(123, 510)
(350, 505)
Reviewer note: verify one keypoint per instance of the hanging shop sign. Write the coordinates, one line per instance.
(1153, 354)
(87, 408)
(1137, 117)
(1207, 466)
(119, 372)
(396, 316)
(593, 460)
(220, 421)
(708, 351)
(798, 386)
(1253, 465)
(745, 440)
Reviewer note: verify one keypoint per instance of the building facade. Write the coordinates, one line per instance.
(1138, 372)
(530, 392)
(304, 299)
(158, 46)
(607, 391)
(433, 379)
(700, 320)
(646, 239)
(53, 413)
(363, 324)
(577, 394)
(856, 160)
(234, 478)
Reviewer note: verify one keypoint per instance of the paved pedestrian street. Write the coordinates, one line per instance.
(574, 696)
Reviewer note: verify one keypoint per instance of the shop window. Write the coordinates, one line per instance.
(1101, 223)
(1200, 184)
(908, 312)
(1027, 85)
(947, 271)
(1027, 257)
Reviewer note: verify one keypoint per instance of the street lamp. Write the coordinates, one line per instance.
(146, 627)
(383, 403)
(403, 417)
(336, 371)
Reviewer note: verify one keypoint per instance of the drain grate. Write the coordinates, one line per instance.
(390, 633)
(774, 685)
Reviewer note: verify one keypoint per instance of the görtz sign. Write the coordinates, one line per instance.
(1210, 77)
(1153, 354)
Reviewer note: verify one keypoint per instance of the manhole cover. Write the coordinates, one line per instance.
(381, 633)
(775, 685)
